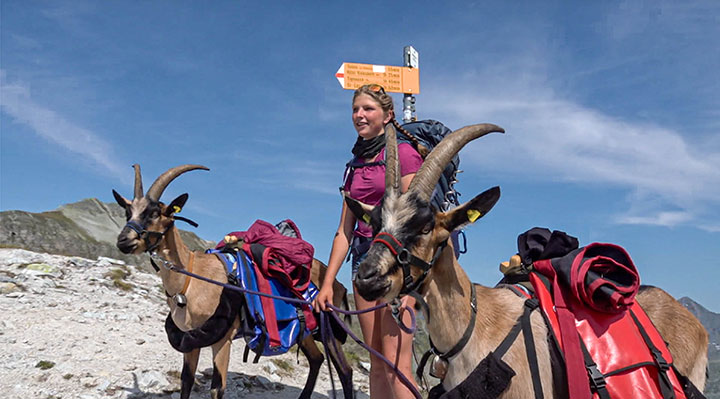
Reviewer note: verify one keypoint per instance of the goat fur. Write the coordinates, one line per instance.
(204, 300)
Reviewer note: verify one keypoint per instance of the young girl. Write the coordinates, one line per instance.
(372, 109)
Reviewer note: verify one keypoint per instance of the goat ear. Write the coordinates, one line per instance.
(472, 210)
(121, 200)
(176, 204)
(360, 210)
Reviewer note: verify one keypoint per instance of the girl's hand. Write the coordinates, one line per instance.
(323, 297)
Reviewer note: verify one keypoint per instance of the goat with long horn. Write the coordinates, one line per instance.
(412, 254)
(206, 307)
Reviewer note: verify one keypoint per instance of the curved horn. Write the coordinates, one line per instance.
(162, 182)
(138, 182)
(392, 174)
(427, 177)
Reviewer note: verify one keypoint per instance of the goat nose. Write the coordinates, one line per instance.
(367, 273)
(124, 243)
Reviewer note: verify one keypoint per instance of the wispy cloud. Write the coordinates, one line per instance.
(17, 102)
(669, 180)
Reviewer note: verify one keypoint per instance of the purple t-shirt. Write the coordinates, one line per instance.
(368, 183)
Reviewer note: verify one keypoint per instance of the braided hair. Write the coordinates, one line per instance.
(386, 104)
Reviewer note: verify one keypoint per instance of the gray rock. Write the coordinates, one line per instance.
(151, 379)
(365, 366)
(6, 288)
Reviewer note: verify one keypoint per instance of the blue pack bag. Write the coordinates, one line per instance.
(288, 318)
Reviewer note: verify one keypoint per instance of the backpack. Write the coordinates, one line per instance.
(610, 348)
(259, 319)
(429, 133)
(270, 326)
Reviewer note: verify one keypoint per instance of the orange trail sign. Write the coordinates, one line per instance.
(392, 78)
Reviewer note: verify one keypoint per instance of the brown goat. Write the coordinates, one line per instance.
(151, 228)
(422, 233)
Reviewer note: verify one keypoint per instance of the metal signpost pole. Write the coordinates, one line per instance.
(410, 59)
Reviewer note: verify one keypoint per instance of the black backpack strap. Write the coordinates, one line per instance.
(302, 326)
(597, 379)
(530, 305)
(350, 170)
(666, 387)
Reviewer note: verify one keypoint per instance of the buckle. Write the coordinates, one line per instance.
(660, 360)
(403, 256)
(395, 309)
(597, 379)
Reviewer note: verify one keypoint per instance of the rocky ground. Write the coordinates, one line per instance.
(89, 329)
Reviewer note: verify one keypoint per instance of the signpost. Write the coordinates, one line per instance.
(393, 79)
(411, 60)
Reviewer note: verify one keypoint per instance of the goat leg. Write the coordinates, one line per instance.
(315, 359)
(221, 360)
(187, 377)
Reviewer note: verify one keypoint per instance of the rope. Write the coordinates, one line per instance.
(325, 329)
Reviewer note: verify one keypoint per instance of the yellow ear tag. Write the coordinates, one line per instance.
(176, 209)
(473, 215)
(366, 218)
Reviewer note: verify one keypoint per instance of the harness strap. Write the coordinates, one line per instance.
(666, 387)
(468, 331)
(187, 277)
(597, 379)
(530, 305)
(350, 170)
(186, 220)
(154, 265)
(405, 259)
(463, 340)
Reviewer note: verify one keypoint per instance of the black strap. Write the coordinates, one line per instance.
(468, 331)
(463, 340)
(508, 341)
(530, 305)
(597, 378)
(154, 265)
(525, 325)
(420, 370)
(350, 169)
(186, 220)
(301, 327)
(666, 387)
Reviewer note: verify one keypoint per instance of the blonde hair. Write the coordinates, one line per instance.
(377, 93)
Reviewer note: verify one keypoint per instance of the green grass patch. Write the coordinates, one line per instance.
(45, 365)
(283, 365)
(117, 276)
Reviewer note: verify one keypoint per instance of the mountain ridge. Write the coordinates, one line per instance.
(87, 228)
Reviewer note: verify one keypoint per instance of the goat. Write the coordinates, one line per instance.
(422, 260)
(150, 227)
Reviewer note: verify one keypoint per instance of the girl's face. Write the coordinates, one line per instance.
(368, 118)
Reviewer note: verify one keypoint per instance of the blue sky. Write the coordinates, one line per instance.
(611, 110)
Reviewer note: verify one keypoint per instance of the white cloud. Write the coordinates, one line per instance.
(17, 102)
(550, 138)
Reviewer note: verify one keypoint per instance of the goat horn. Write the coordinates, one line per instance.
(427, 177)
(138, 182)
(392, 175)
(162, 182)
